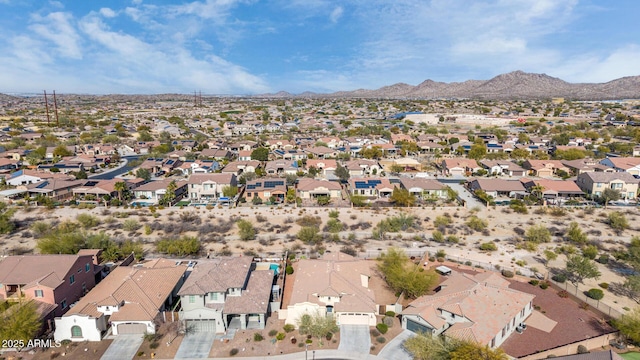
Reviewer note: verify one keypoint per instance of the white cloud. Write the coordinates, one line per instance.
(136, 2)
(599, 67)
(336, 14)
(107, 12)
(57, 28)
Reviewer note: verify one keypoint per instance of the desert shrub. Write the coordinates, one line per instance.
(349, 250)
(130, 225)
(309, 235)
(518, 206)
(280, 336)
(390, 314)
(334, 226)
(617, 221)
(534, 282)
(374, 332)
(604, 285)
(289, 271)
(258, 337)
(87, 221)
(488, 246)
(381, 339)
(246, 230)
(508, 273)
(185, 245)
(476, 223)
(261, 218)
(288, 328)
(603, 259)
(40, 228)
(582, 349)
(442, 221)
(309, 220)
(558, 212)
(438, 236)
(595, 294)
(559, 278)
(334, 214)
(234, 352)
(383, 328)
(563, 294)
(273, 332)
(544, 285)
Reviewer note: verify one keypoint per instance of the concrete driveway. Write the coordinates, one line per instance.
(195, 346)
(467, 196)
(355, 338)
(394, 349)
(123, 347)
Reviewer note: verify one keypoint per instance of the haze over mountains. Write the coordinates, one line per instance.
(513, 85)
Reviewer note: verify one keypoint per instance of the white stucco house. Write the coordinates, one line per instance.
(130, 300)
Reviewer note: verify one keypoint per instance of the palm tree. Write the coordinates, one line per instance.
(120, 187)
(537, 192)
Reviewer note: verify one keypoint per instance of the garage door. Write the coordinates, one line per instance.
(354, 319)
(417, 327)
(201, 326)
(132, 328)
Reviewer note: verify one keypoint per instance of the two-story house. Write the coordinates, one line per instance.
(265, 189)
(54, 280)
(594, 183)
(623, 164)
(226, 293)
(207, 187)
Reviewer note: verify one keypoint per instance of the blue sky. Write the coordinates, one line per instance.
(255, 46)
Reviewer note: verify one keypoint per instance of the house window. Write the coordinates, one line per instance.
(87, 267)
(63, 304)
(76, 331)
(72, 279)
(84, 288)
(192, 299)
(39, 293)
(213, 296)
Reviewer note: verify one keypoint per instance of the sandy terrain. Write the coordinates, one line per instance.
(277, 230)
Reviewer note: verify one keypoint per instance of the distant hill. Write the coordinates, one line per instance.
(513, 85)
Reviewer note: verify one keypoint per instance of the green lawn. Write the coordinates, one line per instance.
(631, 356)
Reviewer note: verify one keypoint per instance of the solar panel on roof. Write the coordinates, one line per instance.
(42, 184)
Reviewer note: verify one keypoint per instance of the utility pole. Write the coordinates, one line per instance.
(55, 106)
(200, 98)
(46, 104)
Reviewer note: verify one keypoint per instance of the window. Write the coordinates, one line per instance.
(87, 267)
(39, 293)
(76, 331)
(213, 296)
(84, 288)
(79, 270)
(63, 304)
(192, 299)
(72, 279)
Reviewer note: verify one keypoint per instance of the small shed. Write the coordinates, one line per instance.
(443, 270)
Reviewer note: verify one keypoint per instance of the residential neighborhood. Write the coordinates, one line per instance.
(244, 227)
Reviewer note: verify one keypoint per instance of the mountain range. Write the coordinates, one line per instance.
(510, 86)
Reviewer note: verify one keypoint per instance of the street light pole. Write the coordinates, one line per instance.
(306, 350)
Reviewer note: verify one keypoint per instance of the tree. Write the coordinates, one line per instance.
(317, 325)
(477, 151)
(424, 346)
(629, 325)
(617, 221)
(81, 174)
(374, 152)
(230, 191)
(120, 187)
(143, 174)
(402, 197)
(309, 234)
(520, 154)
(342, 173)
(396, 169)
(6, 224)
(609, 195)
(260, 154)
(20, 322)
(404, 276)
(632, 285)
(186, 245)
(579, 268)
(538, 234)
(549, 256)
(469, 350)
(62, 151)
(575, 233)
(170, 195)
(246, 230)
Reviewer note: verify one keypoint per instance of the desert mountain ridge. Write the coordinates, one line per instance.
(513, 85)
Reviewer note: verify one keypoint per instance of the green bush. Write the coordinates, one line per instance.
(582, 349)
(603, 259)
(544, 285)
(534, 282)
(488, 246)
(289, 271)
(280, 336)
(258, 337)
(383, 328)
(273, 332)
(595, 294)
(288, 328)
(381, 339)
(390, 313)
(234, 352)
(560, 278)
(604, 285)
(508, 273)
